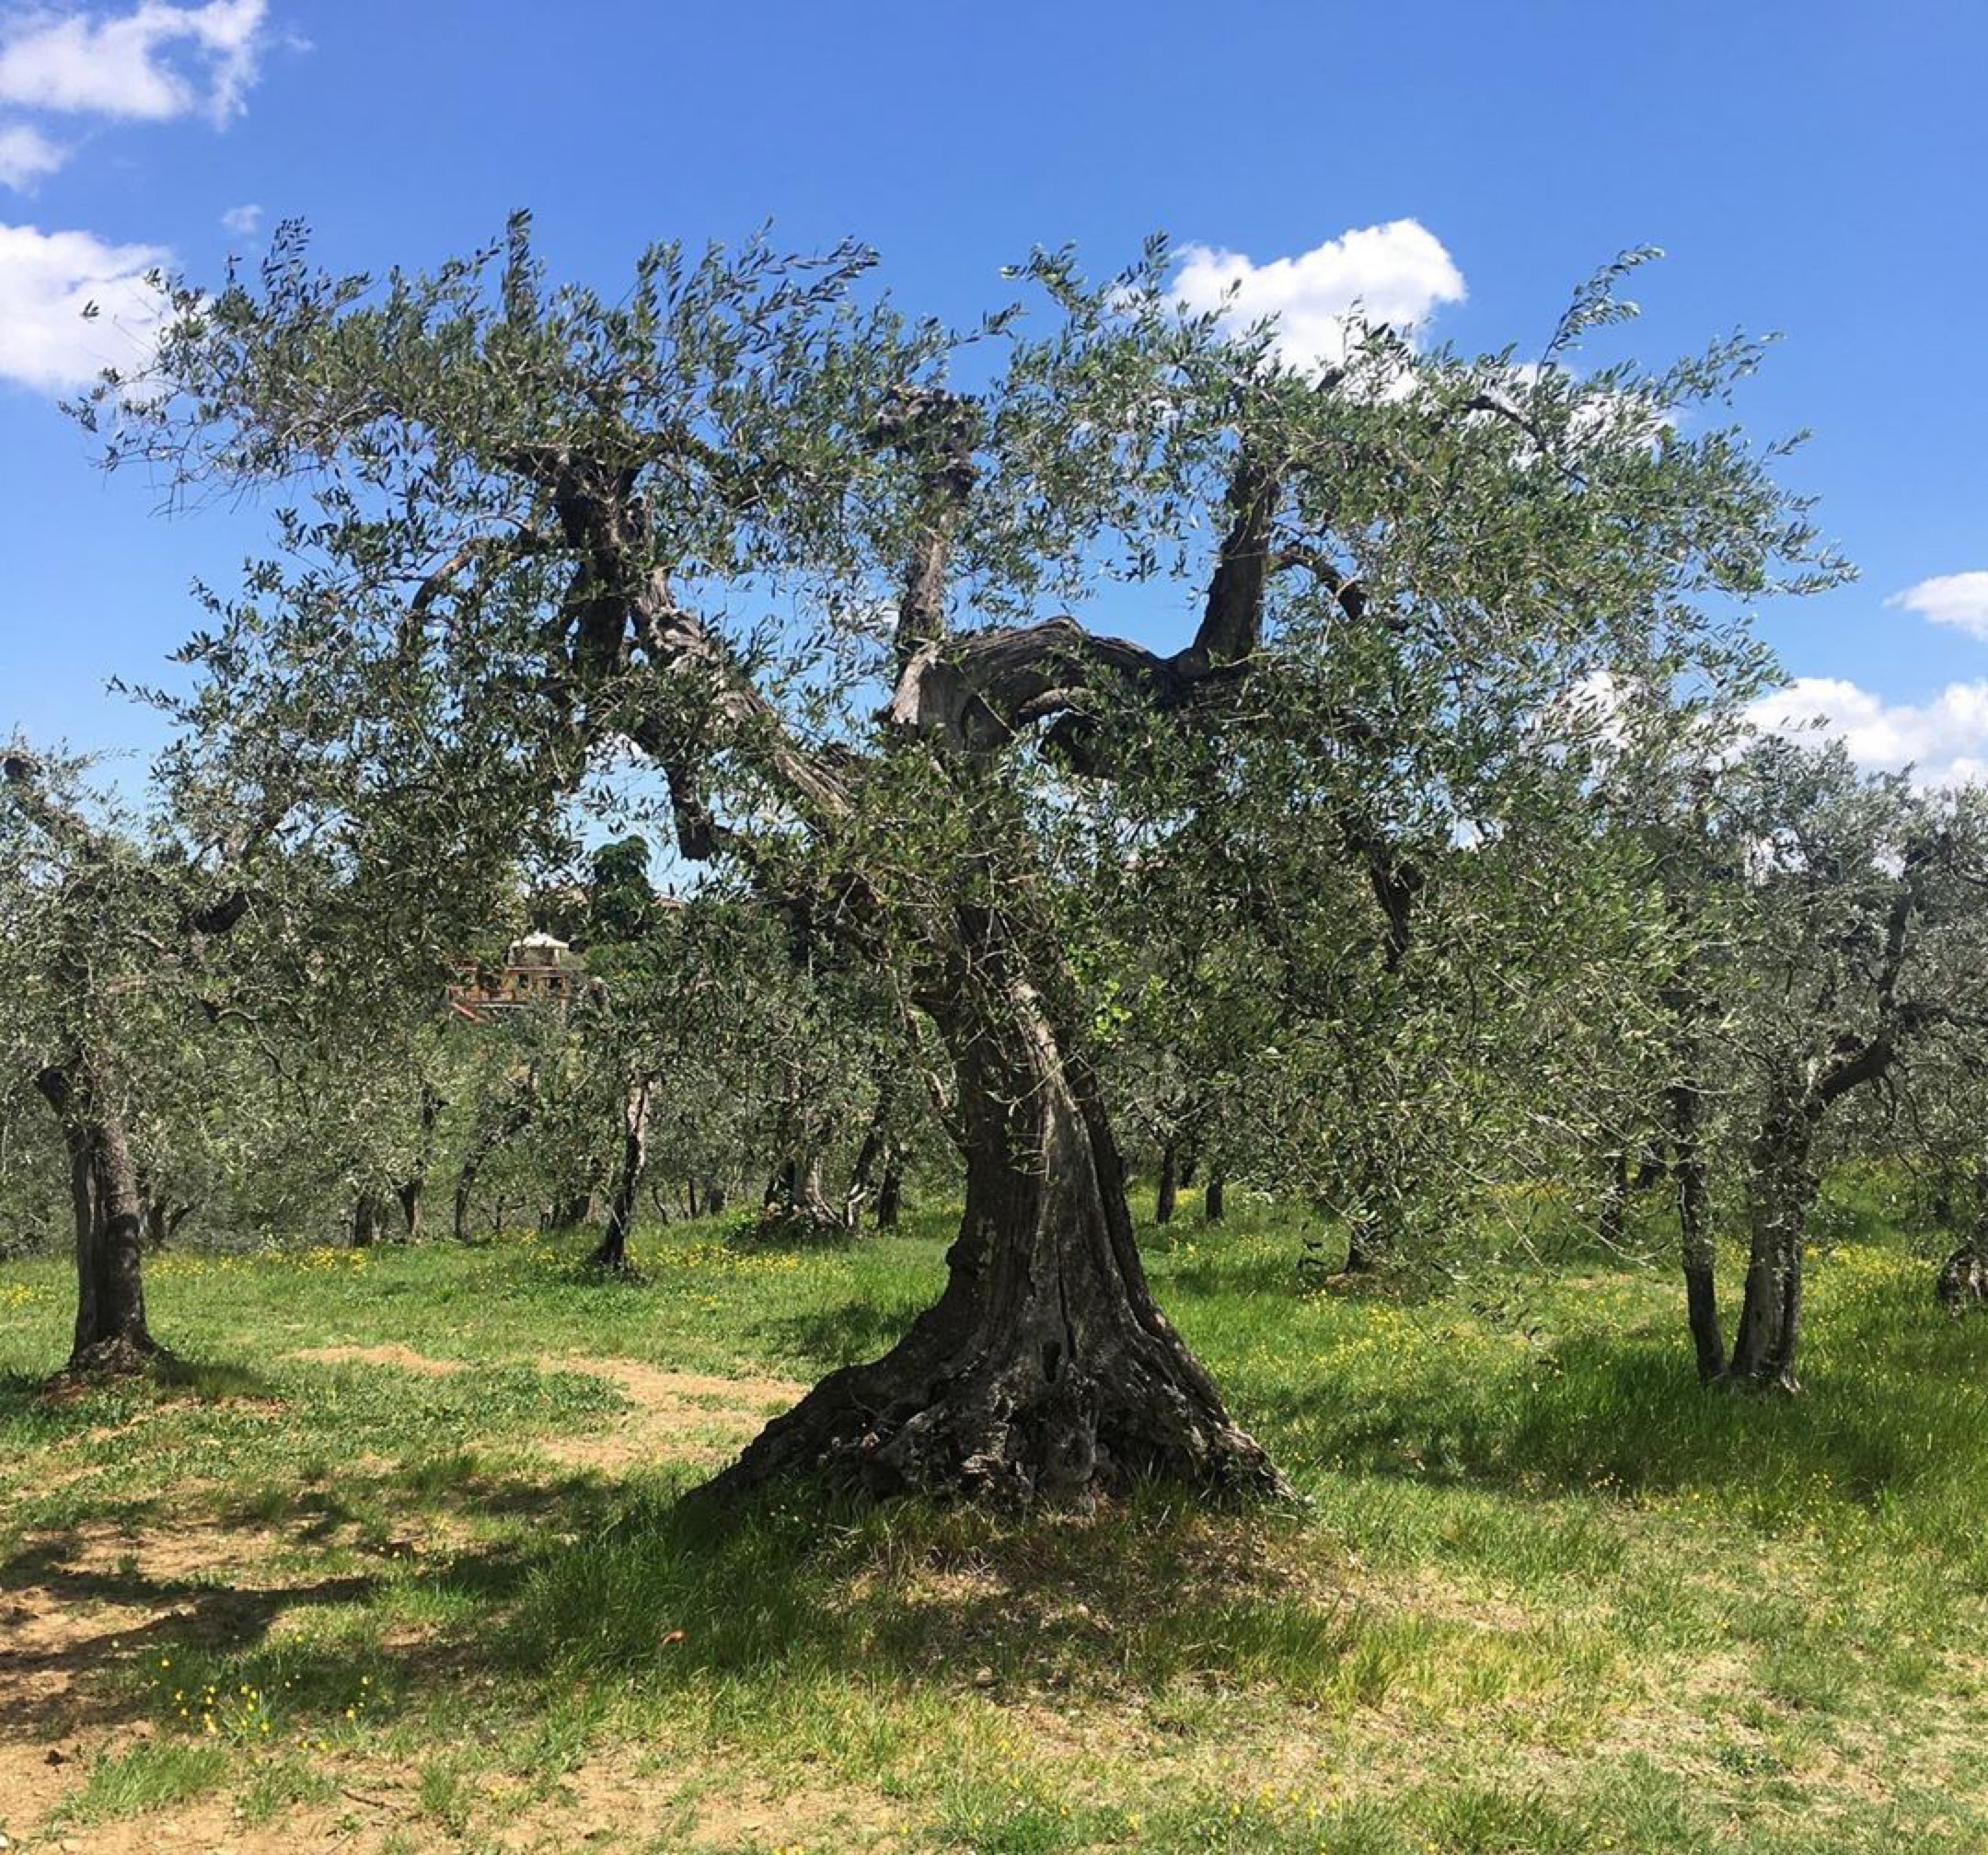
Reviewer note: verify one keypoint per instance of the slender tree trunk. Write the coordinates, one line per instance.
(1212, 1210)
(1963, 1283)
(157, 1224)
(612, 1252)
(1168, 1195)
(1614, 1219)
(465, 1191)
(1782, 1189)
(409, 1191)
(112, 1334)
(1363, 1248)
(690, 1198)
(484, 1139)
(890, 1195)
(570, 1213)
(715, 1197)
(876, 1151)
(368, 1219)
(1044, 1372)
(1696, 1245)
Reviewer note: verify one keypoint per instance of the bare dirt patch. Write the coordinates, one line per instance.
(675, 1415)
(402, 1358)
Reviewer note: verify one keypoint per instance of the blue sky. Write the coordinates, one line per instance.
(1818, 169)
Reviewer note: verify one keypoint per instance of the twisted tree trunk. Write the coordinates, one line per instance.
(1044, 1371)
(110, 1331)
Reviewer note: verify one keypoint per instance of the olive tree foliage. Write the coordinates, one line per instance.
(1826, 950)
(740, 1060)
(1861, 941)
(122, 971)
(820, 570)
(1418, 1026)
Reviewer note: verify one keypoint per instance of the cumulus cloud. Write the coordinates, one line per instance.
(245, 222)
(152, 65)
(26, 155)
(1945, 741)
(1956, 599)
(1398, 274)
(47, 282)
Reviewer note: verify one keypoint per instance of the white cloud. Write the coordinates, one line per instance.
(245, 222)
(154, 63)
(47, 280)
(1398, 274)
(26, 155)
(1944, 740)
(1956, 599)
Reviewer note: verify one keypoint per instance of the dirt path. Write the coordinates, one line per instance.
(85, 1604)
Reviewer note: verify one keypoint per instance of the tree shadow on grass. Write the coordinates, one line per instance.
(1140, 1594)
(846, 1334)
(101, 1618)
(1621, 1415)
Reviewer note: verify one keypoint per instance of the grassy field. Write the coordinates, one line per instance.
(395, 1565)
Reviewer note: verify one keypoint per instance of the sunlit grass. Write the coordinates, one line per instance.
(1545, 1592)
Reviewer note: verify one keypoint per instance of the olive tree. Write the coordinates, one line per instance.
(819, 571)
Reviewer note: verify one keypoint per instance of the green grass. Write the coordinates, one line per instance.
(1546, 1594)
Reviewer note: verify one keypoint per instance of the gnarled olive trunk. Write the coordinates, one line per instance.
(797, 1196)
(110, 1331)
(1044, 1372)
(1212, 1203)
(1168, 1194)
(890, 1195)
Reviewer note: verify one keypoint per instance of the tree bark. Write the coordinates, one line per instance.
(1045, 1372)
(1781, 1191)
(487, 1137)
(1212, 1211)
(890, 1195)
(112, 1334)
(1963, 1283)
(368, 1219)
(612, 1252)
(797, 1196)
(1695, 1241)
(1614, 1220)
(409, 1191)
(1168, 1195)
